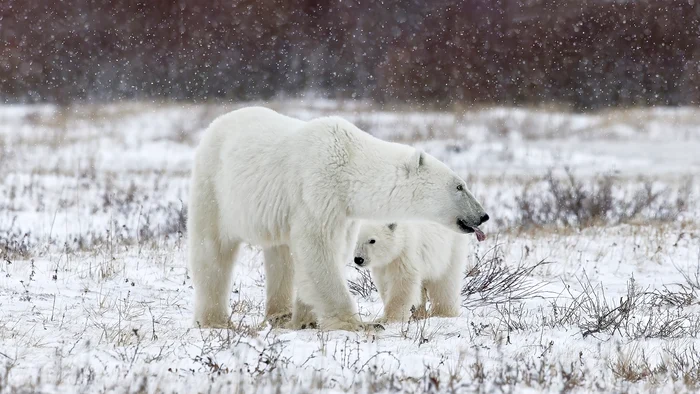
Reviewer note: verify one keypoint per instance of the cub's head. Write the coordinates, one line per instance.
(439, 195)
(377, 245)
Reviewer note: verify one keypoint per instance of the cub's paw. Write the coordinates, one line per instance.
(217, 319)
(279, 320)
(304, 323)
(420, 313)
(310, 325)
(349, 324)
(374, 326)
(444, 313)
(395, 318)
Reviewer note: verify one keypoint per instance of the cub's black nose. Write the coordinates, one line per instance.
(359, 260)
(484, 218)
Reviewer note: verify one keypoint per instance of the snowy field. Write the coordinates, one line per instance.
(589, 280)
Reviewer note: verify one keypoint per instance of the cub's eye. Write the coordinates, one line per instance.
(460, 188)
(372, 241)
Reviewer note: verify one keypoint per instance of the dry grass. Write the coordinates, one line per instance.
(363, 286)
(14, 244)
(638, 315)
(571, 202)
(492, 280)
(680, 364)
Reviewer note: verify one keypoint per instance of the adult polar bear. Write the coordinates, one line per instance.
(296, 189)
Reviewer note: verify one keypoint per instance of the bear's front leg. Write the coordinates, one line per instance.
(321, 282)
(279, 281)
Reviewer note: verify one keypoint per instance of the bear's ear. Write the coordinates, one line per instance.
(392, 226)
(418, 158)
(415, 163)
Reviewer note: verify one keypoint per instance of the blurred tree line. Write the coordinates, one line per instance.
(584, 53)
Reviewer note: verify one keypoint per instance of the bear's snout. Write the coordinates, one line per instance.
(484, 218)
(359, 261)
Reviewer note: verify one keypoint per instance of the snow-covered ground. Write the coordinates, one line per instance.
(95, 294)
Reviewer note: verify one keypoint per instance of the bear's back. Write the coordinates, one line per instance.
(259, 122)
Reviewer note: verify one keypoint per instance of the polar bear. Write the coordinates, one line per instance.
(297, 189)
(409, 259)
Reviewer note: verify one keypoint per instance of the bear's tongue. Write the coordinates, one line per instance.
(480, 236)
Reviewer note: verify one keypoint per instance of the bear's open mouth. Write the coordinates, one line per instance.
(463, 226)
(480, 236)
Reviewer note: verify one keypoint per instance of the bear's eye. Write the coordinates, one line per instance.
(372, 241)
(460, 188)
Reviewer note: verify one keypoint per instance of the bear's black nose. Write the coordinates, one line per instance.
(484, 218)
(359, 260)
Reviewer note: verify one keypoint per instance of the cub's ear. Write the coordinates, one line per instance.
(392, 226)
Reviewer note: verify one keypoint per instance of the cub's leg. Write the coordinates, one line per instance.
(403, 293)
(421, 311)
(445, 292)
(303, 316)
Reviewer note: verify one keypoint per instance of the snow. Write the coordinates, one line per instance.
(95, 294)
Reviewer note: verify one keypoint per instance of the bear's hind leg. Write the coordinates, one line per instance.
(212, 266)
(279, 283)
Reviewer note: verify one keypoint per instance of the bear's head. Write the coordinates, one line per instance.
(377, 245)
(439, 195)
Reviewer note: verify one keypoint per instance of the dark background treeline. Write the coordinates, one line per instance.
(587, 54)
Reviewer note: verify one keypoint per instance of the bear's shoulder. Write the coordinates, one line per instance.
(334, 126)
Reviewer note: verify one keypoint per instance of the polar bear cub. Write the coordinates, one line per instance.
(298, 189)
(409, 259)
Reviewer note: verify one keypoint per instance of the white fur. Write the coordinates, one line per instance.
(296, 189)
(407, 259)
